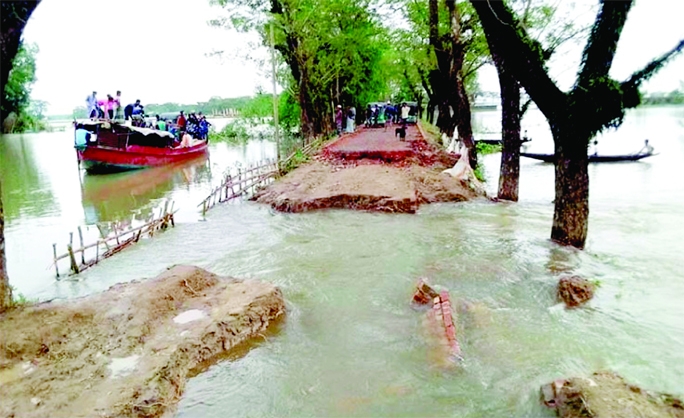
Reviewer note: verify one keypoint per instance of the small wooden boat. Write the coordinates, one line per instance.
(498, 141)
(549, 158)
(104, 146)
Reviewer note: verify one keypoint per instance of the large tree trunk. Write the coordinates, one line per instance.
(307, 116)
(571, 211)
(459, 96)
(462, 119)
(509, 175)
(5, 289)
(13, 15)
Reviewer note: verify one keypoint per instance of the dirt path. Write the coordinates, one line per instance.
(129, 350)
(371, 169)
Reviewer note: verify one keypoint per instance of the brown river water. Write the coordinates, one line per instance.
(351, 345)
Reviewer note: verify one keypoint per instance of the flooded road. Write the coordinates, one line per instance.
(351, 345)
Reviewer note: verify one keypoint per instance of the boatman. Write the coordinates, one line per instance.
(648, 148)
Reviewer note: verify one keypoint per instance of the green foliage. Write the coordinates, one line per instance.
(289, 112)
(479, 173)
(297, 159)
(484, 149)
(233, 133)
(675, 97)
(599, 106)
(21, 79)
(334, 50)
(25, 115)
(19, 300)
(260, 106)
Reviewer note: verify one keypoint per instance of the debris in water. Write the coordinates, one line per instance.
(607, 395)
(575, 291)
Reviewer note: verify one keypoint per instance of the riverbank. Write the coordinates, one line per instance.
(372, 169)
(129, 350)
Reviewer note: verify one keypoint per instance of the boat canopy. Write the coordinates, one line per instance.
(107, 125)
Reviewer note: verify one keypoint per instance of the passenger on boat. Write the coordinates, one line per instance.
(138, 109)
(187, 140)
(118, 108)
(91, 104)
(161, 123)
(192, 126)
(128, 110)
(110, 107)
(204, 127)
(181, 122)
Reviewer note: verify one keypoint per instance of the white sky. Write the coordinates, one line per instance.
(653, 27)
(154, 50)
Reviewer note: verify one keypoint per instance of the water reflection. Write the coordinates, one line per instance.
(114, 197)
(25, 184)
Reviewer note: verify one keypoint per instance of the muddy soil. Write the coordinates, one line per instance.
(370, 170)
(575, 291)
(607, 395)
(129, 350)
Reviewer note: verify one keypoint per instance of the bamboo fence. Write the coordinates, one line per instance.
(111, 243)
(241, 181)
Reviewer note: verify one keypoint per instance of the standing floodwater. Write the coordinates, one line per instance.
(352, 346)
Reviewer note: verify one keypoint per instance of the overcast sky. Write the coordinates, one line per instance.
(156, 51)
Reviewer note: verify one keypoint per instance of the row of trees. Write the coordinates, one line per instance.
(260, 105)
(337, 51)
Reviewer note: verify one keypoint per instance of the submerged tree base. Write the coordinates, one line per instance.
(607, 395)
(129, 350)
(371, 170)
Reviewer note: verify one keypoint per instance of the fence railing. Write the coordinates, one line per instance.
(112, 242)
(239, 181)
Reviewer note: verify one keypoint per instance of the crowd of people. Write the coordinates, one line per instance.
(195, 125)
(377, 114)
(111, 108)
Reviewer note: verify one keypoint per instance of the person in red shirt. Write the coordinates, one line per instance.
(181, 121)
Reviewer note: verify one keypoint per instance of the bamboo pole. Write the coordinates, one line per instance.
(72, 259)
(102, 235)
(80, 236)
(275, 100)
(116, 233)
(54, 251)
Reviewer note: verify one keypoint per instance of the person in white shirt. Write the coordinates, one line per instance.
(405, 109)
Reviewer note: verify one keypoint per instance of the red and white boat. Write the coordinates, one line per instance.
(104, 146)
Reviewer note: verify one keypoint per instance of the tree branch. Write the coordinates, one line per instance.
(599, 52)
(520, 53)
(652, 67)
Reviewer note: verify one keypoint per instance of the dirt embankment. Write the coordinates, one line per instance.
(370, 170)
(127, 351)
(607, 395)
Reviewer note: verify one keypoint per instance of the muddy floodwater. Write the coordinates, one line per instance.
(351, 345)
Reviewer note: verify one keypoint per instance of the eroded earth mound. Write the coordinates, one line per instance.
(129, 350)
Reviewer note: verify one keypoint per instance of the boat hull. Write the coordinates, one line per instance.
(549, 158)
(99, 159)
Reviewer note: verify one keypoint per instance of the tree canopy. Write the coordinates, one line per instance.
(334, 50)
